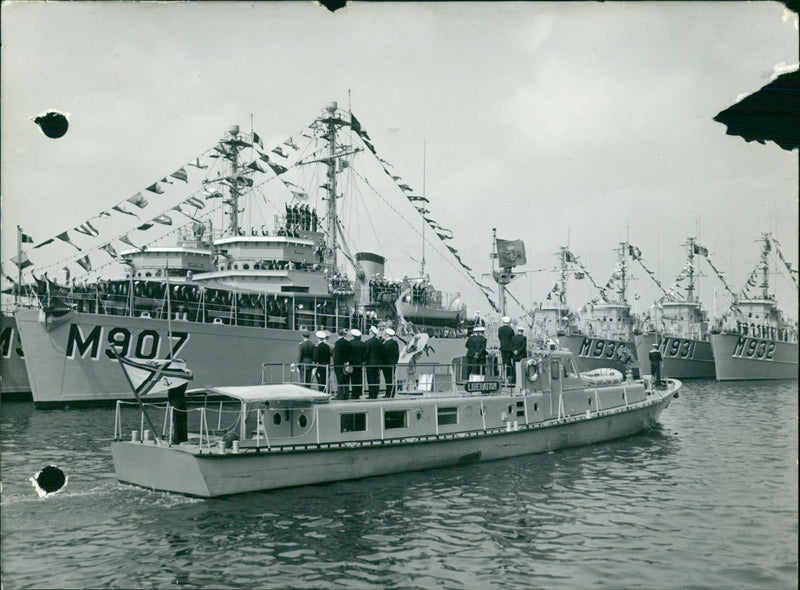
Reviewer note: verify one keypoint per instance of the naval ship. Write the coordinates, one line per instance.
(680, 328)
(227, 300)
(757, 341)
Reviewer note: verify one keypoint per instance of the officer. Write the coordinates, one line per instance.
(391, 354)
(341, 361)
(505, 334)
(322, 358)
(358, 358)
(305, 359)
(476, 351)
(655, 363)
(519, 350)
(374, 360)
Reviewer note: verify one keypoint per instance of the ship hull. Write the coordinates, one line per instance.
(592, 352)
(746, 358)
(683, 358)
(14, 383)
(219, 474)
(72, 362)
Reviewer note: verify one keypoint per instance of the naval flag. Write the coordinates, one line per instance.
(157, 375)
(510, 253)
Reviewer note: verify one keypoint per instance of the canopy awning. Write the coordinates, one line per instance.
(281, 392)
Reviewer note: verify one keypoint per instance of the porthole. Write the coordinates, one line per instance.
(246, 266)
(276, 418)
(510, 409)
(302, 421)
(536, 407)
(419, 415)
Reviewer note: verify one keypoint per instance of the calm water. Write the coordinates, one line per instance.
(709, 499)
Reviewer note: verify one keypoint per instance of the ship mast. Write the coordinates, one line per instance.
(562, 294)
(690, 288)
(330, 124)
(765, 266)
(623, 270)
(422, 264)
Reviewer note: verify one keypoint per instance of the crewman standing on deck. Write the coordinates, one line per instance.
(341, 362)
(322, 358)
(505, 334)
(519, 350)
(358, 357)
(391, 354)
(374, 360)
(476, 351)
(655, 363)
(305, 359)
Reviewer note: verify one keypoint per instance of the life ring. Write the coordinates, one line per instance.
(532, 371)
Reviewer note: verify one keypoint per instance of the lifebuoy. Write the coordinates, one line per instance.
(532, 371)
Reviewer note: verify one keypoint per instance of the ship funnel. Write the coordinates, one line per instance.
(332, 106)
(371, 264)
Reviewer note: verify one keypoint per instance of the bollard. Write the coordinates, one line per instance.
(146, 436)
(221, 447)
(236, 446)
(588, 413)
(134, 436)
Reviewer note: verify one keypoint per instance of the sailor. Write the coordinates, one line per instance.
(341, 364)
(391, 354)
(655, 363)
(476, 351)
(519, 350)
(322, 358)
(505, 333)
(374, 360)
(305, 359)
(358, 357)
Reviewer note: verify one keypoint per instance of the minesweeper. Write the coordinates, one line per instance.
(282, 435)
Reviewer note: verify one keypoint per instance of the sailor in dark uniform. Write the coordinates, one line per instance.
(322, 358)
(391, 354)
(358, 357)
(519, 350)
(374, 360)
(655, 363)
(505, 334)
(305, 359)
(341, 361)
(476, 351)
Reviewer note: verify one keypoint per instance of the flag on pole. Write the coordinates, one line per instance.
(26, 239)
(510, 253)
(155, 376)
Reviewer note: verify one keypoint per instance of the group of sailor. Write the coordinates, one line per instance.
(352, 358)
(300, 217)
(513, 348)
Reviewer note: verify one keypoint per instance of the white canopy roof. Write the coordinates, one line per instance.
(281, 392)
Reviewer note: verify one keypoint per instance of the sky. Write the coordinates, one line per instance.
(574, 124)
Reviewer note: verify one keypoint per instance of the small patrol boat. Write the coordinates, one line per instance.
(252, 438)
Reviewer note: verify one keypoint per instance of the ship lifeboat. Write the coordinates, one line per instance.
(601, 377)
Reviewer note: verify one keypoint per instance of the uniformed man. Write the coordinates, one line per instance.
(305, 359)
(391, 354)
(655, 363)
(374, 360)
(505, 334)
(341, 362)
(322, 358)
(519, 350)
(476, 351)
(358, 357)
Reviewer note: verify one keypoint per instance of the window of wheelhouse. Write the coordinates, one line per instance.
(395, 419)
(569, 369)
(554, 370)
(353, 422)
(447, 415)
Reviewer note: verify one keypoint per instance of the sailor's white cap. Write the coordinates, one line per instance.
(356, 333)
(478, 329)
(520, 328)
(322, 335)
(389, 332)
(654, 345)
(373, 330)
(506, 319)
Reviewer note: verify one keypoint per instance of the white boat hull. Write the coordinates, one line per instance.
(218, 474)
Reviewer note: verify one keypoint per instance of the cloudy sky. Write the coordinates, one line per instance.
(575, 123)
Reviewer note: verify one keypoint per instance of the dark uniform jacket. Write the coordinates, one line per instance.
(655, 356)
(306, 352)
(476, 346)
(322, 353)
(358, 352)
(505, 334)
(374, 351)
(391, 352)
(519, 346)
(341, 351)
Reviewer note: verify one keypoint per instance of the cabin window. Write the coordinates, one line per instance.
(446, 416)
(276, 418)
(353, 422)
(246, 266)
(235, 267)
(394, 419)
(302, 421)
(147, 274)
(569, 369)
(536, 406)
(554, 370)
(158, 273)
